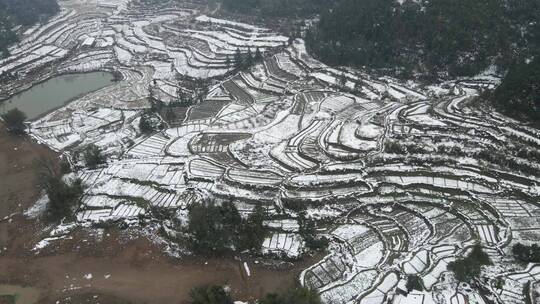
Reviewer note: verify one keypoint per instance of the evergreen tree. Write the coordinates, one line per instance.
(211, 294)
(414, 282)
(527, 254)
(238, 59)
(64, 197)
(145, 125)
(258, 55)
(170, 116)
(253, 231)
(343, 80)
(14, 120)
(469, 268)
(308, 232)
(249, 59)
(519, 93)
(93, 156)
(294, 295)
(218, 229)
(435, 38)
(207, 230)
(358, 86)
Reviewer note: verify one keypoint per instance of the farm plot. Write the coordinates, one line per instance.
(288, 244)
(401, 178)
(216, 145)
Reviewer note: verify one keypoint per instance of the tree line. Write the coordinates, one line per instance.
(519, 94)
(215, 229)
(213, 294)
(435, 38)
(277, 8)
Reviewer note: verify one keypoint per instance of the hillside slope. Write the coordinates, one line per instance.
(21, 12)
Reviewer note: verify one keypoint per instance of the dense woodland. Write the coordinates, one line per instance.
(278, 8)
(430, 40)
(435, 38)
(519, 94)
(21, 12)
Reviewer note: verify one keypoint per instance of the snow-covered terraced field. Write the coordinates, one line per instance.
(402, 179)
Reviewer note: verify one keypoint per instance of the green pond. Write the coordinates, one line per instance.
(14, 294)
(55, 92)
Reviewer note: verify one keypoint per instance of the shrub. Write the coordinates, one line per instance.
(208, 233)
(211, 294)
(145, 125)
(414, 282)
(299, 295)
(309, 233)
(14, 120)
(469, 268)
(294, 205)
(528, 254)
(253, 232)
(217, 229)
(519, 94)
(93, 156)
(415, 149)
(394, 147)
(64, 196)
(8, 299)
(65, 166)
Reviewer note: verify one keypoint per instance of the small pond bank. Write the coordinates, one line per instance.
(56, 92)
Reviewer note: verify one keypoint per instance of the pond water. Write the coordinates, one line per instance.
(55, 92)
(20, 295)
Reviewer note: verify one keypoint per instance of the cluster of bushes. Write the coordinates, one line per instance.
(414, 282)
(7, 76)
(396, 147)
(64, 194)
(468, 268)
(502, 159)
(243, 61)
(451, 150)
(150, 123)
(293, 295)
(14, 120)
(308, 232)
(93, 156)
(218, 229)
(528, 154)
(519, 94)
(527, 254)
(213, 294)
(210, 294)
